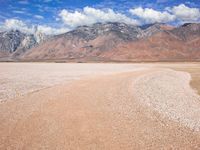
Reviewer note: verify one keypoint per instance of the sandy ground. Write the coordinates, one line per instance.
(123, 107)
(18, 79)
(194, 71)
(169, 93)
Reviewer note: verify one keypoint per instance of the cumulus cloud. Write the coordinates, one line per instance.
(181, 13)
(17, 25)
(185, 13)
(23, 27)
(51, 31)
(149, 15)
(91, 15)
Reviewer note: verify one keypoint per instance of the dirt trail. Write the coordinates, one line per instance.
(95, 113)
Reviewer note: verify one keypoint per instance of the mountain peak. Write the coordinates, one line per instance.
(151, 25)
(188, 31)
(105, 39)
(121, 30)
(188, 24)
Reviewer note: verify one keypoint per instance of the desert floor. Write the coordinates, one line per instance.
(99, 106)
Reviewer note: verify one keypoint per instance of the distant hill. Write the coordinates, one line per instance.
(108, 42)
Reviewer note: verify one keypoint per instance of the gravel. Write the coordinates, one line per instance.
(169, 93)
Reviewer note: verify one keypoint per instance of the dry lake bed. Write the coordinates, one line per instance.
(99, 106)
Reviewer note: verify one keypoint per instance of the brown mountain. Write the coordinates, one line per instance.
(178, 44)
(121, 42)
(85, 42)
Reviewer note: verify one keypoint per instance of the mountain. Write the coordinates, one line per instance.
(168, 44)
(188, 31)
(151, 29)
(85, 41)
(14, 42)
(117, 42)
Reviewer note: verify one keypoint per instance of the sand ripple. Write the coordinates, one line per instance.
(169, 93)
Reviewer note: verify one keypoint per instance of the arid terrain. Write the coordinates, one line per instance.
(107, 42)
(21, 78)
(99, 106)
(100, 75)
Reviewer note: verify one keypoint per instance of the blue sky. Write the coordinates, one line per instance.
(67, 14)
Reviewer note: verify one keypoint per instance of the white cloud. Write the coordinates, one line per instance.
(38, 17)
(23, 27)
(182, 13)
(17, 25)
(185, 13)
(149, 15)
(91, 15)
(51, 31)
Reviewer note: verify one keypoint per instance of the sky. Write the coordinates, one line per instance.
(59, 16)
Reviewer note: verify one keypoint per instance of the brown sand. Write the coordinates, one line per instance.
(194, 71)
(18, 79)
(93, 113)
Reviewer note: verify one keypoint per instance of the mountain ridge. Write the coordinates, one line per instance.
(114, 41)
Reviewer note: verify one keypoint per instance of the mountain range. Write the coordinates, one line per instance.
(112, 41)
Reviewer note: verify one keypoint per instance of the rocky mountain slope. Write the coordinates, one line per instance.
(85, 41)
(120, 42)
(14, 42)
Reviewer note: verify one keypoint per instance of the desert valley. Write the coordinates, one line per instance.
(99, 75)
(99, 106)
